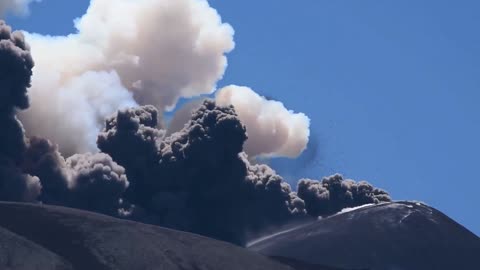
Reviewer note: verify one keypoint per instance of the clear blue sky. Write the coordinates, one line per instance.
(392, 87)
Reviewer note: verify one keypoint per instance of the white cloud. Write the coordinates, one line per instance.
(273, 130)
(161, 50)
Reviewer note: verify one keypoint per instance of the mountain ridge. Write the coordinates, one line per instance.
(78, 240)
(398, 235)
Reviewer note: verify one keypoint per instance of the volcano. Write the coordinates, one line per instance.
(391, 236)
(39, 237)
(388, 236)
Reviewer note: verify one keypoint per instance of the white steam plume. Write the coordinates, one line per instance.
(157, 50)
(72, 113)
(272, 129)
(19, 7)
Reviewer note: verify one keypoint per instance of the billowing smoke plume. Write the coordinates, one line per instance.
(96, 183)
(332, 194)
(125, 52)
(198, 179)
(183, 115)
(273, 130)
(19, 7)
(15, 71)
(293, 169)
(90, 181)
(87, 181)
(76, 109)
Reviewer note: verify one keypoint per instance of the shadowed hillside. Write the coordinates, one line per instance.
(55, 238)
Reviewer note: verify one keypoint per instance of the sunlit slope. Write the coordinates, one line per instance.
(396, 236)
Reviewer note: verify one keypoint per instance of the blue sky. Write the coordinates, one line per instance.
(392, 87)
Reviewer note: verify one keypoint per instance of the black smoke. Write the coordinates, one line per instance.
(33, 169)
(334, 193)
(15, 72)
(43, 160)
(197, 179)
(87, 181)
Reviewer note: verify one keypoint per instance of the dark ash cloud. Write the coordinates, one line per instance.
(96, 183)
(87, 181)
(198, 179)
(15, 72)
(33, 169)
(15, 69)
(43, 160)
(334, 193)
(183, 115)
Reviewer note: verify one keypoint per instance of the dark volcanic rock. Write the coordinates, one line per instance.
(36, 237)
(17, 253)
(390, 236)
(299, 265)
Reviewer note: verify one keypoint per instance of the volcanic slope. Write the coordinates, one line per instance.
(39, 237)
(388, 236)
